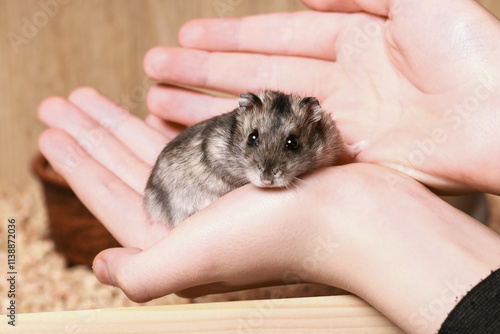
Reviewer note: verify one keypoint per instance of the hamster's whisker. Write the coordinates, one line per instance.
(296, 187)
(299, 180)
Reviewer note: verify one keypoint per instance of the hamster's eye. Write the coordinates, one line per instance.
(292, 143)
(253, 138)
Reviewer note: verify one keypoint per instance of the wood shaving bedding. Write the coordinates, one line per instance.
(45, 284)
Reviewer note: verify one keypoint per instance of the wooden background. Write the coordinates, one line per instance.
(100, 43)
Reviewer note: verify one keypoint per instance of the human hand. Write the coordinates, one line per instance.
(105, 154)
(419, 81)
(338, 226)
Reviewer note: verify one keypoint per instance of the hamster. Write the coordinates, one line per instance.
(269, 140)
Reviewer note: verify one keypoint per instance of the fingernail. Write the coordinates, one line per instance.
(101, 271)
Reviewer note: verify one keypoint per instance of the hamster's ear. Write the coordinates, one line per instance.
(311, 108)
(248, 101)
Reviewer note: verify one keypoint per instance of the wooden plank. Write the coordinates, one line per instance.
(333, 314)
(492, 5)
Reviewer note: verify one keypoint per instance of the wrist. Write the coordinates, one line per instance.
(413, 257)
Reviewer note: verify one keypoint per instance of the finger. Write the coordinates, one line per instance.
(186, 106)
(237, 72)
(292, 34)
(114, 203)
(137, 136)
(185, 258)
(96, 140)
(169, 129)
(382, 7)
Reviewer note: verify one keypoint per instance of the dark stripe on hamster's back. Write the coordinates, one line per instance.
(160, 196)
(184, 139)
(232, 125)
(206, 134)
(281, 104)
(225, 123)
(319, 129)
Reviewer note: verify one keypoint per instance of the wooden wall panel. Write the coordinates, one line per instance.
(492, 5)
(50, 50)
(53, 48)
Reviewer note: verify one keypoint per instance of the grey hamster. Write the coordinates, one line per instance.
(269, 140)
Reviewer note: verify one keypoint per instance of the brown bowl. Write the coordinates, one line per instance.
(77, 234)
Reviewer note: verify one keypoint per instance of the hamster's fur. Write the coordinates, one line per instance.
(269, 140)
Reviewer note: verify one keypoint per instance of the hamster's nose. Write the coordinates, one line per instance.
(267, 179)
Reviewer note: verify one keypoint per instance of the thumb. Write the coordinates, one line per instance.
(172, 264)
(216, 246)
(111, 256)
(113, 267)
